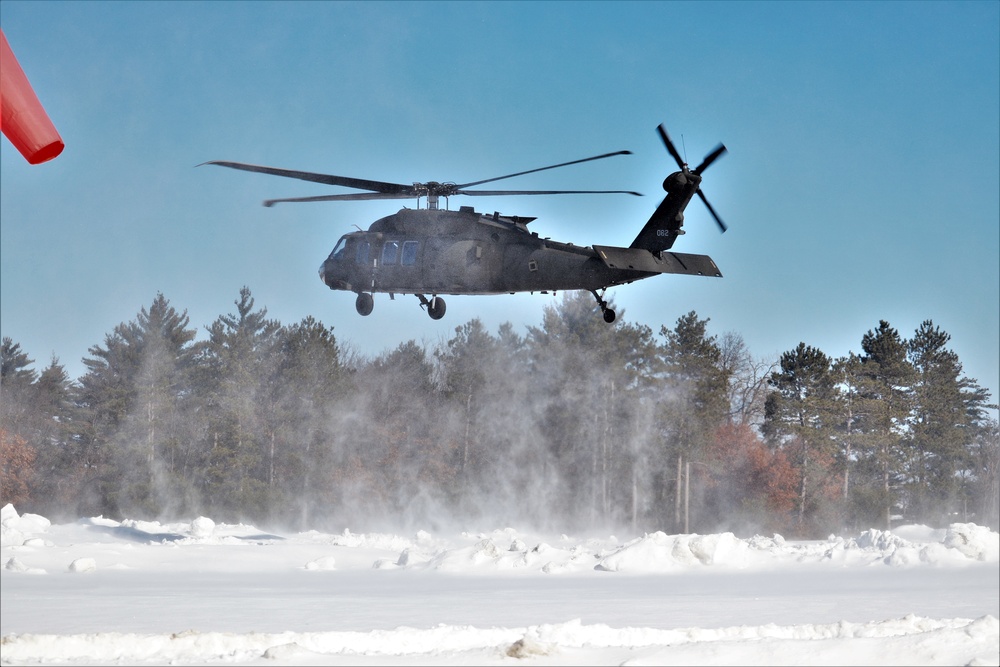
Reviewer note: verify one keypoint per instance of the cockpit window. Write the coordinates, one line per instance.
(338, 250)
(390, 252)
(361, 257)
(409, 257)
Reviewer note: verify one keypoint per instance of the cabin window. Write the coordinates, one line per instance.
(338, 251)
(361, 256)
(409, 257)
(390, 251)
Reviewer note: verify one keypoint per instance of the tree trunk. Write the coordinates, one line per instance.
(677, 494)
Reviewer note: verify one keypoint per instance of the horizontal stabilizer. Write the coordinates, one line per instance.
(639, 259)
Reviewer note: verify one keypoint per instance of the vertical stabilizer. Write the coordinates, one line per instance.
(664, 226)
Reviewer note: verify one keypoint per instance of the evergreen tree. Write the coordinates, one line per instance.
(398, 450)
(237, 370)
(887, 378)
(799, 419)
(587, 376)
(38, 415)
(694, 388)
(854, 407)
(310, 383)
(467, 365)
(16, 380)
(985, 452)
(948, 409)
(57, 434)
(14, 363)
(134, 396)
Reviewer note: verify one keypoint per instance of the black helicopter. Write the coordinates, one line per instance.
(438, 251)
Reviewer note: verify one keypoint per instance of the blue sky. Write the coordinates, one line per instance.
(861, 184)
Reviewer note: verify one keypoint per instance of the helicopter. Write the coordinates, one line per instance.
(434, 251)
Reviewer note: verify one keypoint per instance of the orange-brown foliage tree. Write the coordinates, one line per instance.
(17, 460)
(755, 485)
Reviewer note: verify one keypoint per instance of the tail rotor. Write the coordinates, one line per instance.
(718, 152)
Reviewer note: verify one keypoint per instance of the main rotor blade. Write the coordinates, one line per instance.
(532, 171)
(349, 197)
(711, 210)
(670, 146)
(495, 193)
(327, 179)
(710, 158)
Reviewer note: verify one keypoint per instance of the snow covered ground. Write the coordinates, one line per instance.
(98, 592)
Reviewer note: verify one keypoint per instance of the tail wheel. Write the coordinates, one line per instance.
(609, 314)
(365, 304)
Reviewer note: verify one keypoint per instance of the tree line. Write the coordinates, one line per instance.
(573, 425)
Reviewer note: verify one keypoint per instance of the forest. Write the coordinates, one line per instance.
(571, 424)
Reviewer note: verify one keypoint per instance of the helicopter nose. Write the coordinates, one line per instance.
(332, 276)
(325, 273)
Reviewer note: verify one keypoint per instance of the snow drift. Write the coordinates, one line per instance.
(99, 591)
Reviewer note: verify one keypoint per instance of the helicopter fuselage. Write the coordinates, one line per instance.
(434, 251)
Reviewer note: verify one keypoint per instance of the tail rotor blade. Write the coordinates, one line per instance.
(718, 220)
(670, 146)
(710, 158)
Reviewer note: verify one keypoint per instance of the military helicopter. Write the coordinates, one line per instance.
(438, 251)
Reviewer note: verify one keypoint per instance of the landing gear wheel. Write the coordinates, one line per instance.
(609, 314)
(436, 308)
(365, 304)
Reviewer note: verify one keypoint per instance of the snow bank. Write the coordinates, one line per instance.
(506, 549)
(659, 552)
(662, 553)
(974, 541)
(14, 529)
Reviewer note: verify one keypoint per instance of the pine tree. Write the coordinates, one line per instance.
(854, 407)
(135, 396)
(586, 376)
(16, 380)
(237, 369)
(888, 379)
(465, 374)
(948, 409)
(693, 386)
(389, 448)
(799, 419)
(310, 383)
(58, 425)
(985, 451)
